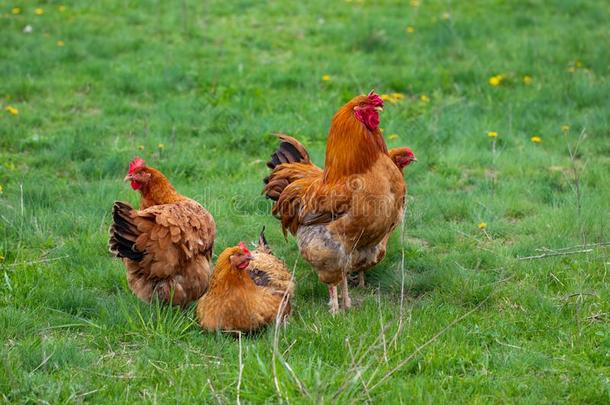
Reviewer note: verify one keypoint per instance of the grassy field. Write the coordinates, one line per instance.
(198, 87)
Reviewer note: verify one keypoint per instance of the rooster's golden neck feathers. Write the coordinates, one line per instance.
(352, 148)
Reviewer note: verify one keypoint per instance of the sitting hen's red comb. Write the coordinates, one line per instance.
(243, 247)
(136, 163)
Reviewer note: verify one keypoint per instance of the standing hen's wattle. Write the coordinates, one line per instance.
(166, 245)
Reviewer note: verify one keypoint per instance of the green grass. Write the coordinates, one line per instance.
(211, 80)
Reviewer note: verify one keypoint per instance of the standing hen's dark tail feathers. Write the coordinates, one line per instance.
(123, 233)
(289, 151)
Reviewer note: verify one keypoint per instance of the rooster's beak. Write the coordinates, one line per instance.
(413, 159)
(379, 109)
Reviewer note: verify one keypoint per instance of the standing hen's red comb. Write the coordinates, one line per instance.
(243, 247)
(136, 163)
(375, 99)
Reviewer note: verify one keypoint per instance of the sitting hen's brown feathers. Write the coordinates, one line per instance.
(167, 245)
(247, 291)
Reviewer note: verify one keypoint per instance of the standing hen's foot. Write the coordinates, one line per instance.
(334, 300)
(361, 279)
(347, 302)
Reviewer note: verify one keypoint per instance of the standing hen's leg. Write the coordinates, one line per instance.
(361, 279)
(347, 302)
(334, 300)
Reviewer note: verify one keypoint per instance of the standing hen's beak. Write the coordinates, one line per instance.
(128, 178)
(249, 257)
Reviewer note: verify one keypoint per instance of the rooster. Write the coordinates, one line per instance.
(292, 151)
(166, 245)
(341, 215)
(247, 291)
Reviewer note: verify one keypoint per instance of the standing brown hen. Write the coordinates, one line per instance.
(248, 290)
(166, 246)
(340, 215)
(402, 157)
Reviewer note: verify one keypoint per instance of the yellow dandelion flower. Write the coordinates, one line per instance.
(482, 225)
(1, 189)
(16, 10)
(495, 80)
(381, 129)
(393, 137)
(60, 43)
(12, 110)
(61, 8)
(140, 147)
(161, 146)
(565, 128)
(1, 258)
(392, 97)
(424, 99)
(527, 80)
(410, 29)
(578, 64)
(492, 134)
(326, 78)
(536, 139)
(38, 11)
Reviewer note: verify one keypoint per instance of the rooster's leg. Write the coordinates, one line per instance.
(347, 302)
(361, 279)
(334, 301)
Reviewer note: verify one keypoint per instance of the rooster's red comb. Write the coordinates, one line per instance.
(375, 99)
(136, 163)
(243, 247)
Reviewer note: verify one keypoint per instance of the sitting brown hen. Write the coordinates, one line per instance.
(166, 245)
(247, 291)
